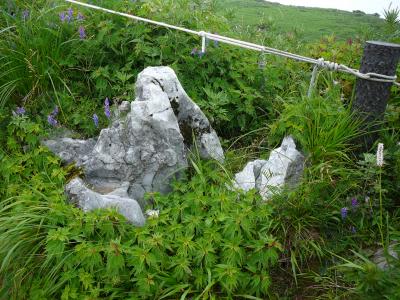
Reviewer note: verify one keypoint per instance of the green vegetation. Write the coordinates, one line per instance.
(315, 241)
(311, 23)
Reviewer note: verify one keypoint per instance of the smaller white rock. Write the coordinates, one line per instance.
(284, 166)
(248, 177)
(89, 200)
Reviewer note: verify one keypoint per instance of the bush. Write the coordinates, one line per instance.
(207, 240)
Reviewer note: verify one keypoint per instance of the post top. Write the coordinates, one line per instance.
(385, 44)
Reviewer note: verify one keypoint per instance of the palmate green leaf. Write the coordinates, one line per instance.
(69, 293)
(204, 253)
(89, 256)
(156, 240)
(142, 258)
(115, 262)
(55, 247)
(179, 267)
(56, 240)
(258, 283)
(86, 279)
(232, 252)
(227, 276)
(184, 246)
(193, 223)
(146, 284)
(123, 77)
(200, 278)
(231, 228)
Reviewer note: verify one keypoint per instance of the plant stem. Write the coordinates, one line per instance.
(381, 206)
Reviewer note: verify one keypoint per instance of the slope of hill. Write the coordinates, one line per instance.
(313, 23)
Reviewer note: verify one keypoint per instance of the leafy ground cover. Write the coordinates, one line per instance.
(62, 65)
(311, 23)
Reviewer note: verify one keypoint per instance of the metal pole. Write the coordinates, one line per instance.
(371, 96)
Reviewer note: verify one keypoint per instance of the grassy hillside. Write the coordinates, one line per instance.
(313, 23)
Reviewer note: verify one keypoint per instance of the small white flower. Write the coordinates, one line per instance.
(152, 213)
(367, 199)
(379, 155)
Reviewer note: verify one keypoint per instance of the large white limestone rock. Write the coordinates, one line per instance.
(148, 141)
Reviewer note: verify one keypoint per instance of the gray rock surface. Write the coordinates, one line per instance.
(146, 148)
(191, 119)
(71, 150)
(122, 110)
(147, 144)
(383, 261)
(284, 167)
(248, 178)
(89, 200)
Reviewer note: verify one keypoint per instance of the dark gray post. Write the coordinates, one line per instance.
(372, 96)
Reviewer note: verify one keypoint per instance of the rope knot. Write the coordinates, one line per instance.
(331, 66)
(202, 33)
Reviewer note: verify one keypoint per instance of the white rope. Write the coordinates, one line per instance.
(318, 63)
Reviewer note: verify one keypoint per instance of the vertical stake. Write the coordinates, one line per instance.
(203, 43)
(371, 96)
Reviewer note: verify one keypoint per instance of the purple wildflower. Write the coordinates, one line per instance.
(70, 13)
(20, 111)
(353, 229)
(107, 111)
(25, 14)
(343, 212)
(62, 16)
(96, 120)
(82, 33)
(80, 17)
(354, 203)
(51, 120)
(54, 113)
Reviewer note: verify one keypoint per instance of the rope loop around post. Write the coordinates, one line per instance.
(320, 64)
(203, 35)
